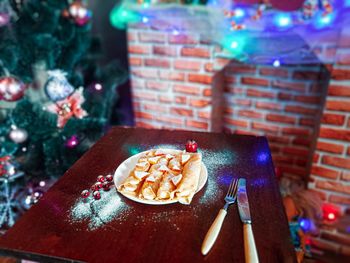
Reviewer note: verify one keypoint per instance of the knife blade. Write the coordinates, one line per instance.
(242, 200)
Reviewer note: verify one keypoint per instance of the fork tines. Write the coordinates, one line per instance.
(233, 188)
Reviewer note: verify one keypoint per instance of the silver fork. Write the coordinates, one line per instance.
(215, 227)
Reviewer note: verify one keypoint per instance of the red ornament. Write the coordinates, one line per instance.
(100, 179)
(85, 194)
(11, 89)
(106, 186)
(191, 146)
(96, 195)
(109, 177)
(78, 12)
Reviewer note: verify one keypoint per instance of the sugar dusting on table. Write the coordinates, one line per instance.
(99, 212)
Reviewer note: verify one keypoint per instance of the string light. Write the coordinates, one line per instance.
(276, 63)
(145, 20)
(175, 32)
(234, 44)
(283, 20)
(239, 13)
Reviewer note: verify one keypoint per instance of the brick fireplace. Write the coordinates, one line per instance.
(180, 81)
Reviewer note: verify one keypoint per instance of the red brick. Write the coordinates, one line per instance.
(335, 119)
(145, 73)
(160, 86)
(268, 105)
(244, 132)
(280, 118)
(164, 51)
(341, 74)
(345, 176)
(300, 109)
(229, 79)
(135, 61)
(302, 141)
(348, 151)
(279, 72)
(143, 115)
(209, 67)
(165, 99)
(228, 110)
(337, 90)
(333, 186)
(182, 39)
(221, 62)
(338, 105)
(151, 37)
(207, 92)
(293, 170)
(175, 76)
(278, 139)
(342, 200)
(204, 115)
(195, 52)
(234, 90)
(308, 99)
(138, 49)
(132, 36)
(250, 114)
(295, 151)
(295, 131)
(155, 62)
(198, 78)
(306, 75)
(282, 159)
(337, 134)
(242, 102)
(197, 124)
(235, 122)
(173, 120)
(265, 127)
(254, 81)
(336, 161)
(321, 194)
(315, 158)
(284, 96)
(260, 94)
(275, 149)
(199, 103)
(155, 108)
(187, 89)
(307, 122)
(181, 111)
(188, 65)
(142, 124)
(241, 69)
(324, 172)
(295, 86)
(181, 100)
(145, 96)
(343, 59)
(329, 147)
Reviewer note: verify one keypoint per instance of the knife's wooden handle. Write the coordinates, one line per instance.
(213, 232)
(251, 255)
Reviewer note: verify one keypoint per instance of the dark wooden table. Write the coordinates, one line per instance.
(114, 229)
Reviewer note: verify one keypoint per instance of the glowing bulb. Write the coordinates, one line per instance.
(284, 20)
(175, 32)
(276, 63)
(98, 86)
(145, 19)
(331, 216)
(234, 44)
(325, 20)
(124, 13)
(239, 12)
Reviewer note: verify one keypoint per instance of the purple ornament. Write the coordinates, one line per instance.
(72, 142)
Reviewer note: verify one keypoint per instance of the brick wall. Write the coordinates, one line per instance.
(330, 174)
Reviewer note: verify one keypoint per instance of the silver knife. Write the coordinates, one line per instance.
(250, 252)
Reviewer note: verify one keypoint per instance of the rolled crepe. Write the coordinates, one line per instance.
(151, 185)
(166, 187)
(190, 179)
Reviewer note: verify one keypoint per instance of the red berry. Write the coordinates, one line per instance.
(96, 195)
(106, 186)
(93, 188)
(85, 194)
(100, 178)
(98, 185)
(191, 146)
(109, 177)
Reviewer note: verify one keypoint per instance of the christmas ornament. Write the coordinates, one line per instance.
(57, 86)
(85, 194)
(10, 207)
(18, 135)
(78, 12)
(68, 108)
(191, 146)
(96, 195)
(109, 178)
(9, 168)
(72, 142)
(100, 179)
(11, 88)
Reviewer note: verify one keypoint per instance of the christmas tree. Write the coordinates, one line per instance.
(55, 100)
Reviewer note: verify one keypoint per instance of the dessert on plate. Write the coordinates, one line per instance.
(164, 175)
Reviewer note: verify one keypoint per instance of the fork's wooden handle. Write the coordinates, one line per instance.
(251, 255)
(213, 232)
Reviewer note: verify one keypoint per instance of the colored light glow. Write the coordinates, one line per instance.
(239, 13)
(234, 44)
(145, 19)
(283, 20)
(98, 87)
(331, 216)
(120, 16)
(322, 21)
(175, 32)
(276, 63)
(262, 157)
(305, 224)
(330, 212)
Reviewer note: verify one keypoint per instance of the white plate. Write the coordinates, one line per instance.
(126, 167)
